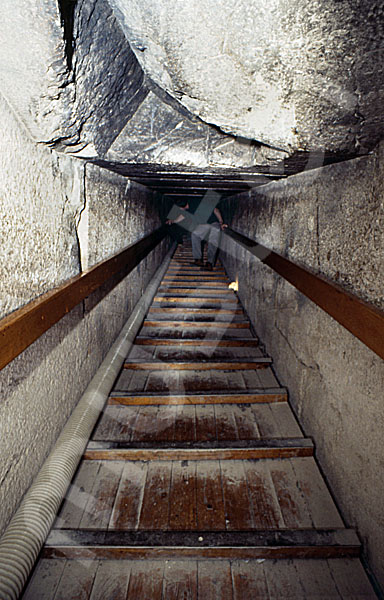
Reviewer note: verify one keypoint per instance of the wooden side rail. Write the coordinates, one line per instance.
(25, 325)
(363, 320)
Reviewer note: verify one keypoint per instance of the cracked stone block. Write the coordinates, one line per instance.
(160, 133)
(81, 101)
(292, 76)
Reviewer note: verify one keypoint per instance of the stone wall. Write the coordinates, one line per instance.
(57, 217)
(331, 220)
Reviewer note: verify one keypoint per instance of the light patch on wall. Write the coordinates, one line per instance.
(234, 285)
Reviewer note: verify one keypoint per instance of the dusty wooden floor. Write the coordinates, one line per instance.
(198, 481)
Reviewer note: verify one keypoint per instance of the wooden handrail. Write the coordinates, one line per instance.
(25, 325)
(363, 320)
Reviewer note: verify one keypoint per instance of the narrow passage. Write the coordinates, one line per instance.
(198, 481)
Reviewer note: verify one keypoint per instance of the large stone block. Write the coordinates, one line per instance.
(68, 73)
(297, 76)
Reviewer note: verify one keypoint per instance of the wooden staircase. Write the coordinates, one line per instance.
(198, 481)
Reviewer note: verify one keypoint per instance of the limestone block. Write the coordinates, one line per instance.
(291, 75)
(76, 92)
(40, 198)
(163, 133)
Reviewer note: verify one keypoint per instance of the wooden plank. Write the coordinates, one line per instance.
(196, 311)
(77, 580)
(320, 504)
(224, 365)
(267, 378)
(129, 497)
(235, 343)
(123, 380)
(182, 505)
(214, 580)
(205, 422)
(249, 581)
(316, 580)
(197, 292)
(98, 510)
(116, 424)
(363, 320)
(236, 499)
(286, 423)
(159, 454)
(127, 422)
(206, 324)
(209, 497)
(155, 507)
(145, 423)
(25, 325)
(165, 424)
(235, 380)
(77, 496)
(265, 420)
(146, 581)
(108, 424)
(291, 500)
(180, 581)
(245, 422)
(111, 580)
(138, 381)
(252, 380)
(351, 579)
(178, 352)
(196, 283)
(185, 423)
(283, 580)
(264, 502)
(221, 397)
(163, 381)
(45, 580)
(226, 428)
(338, 539)
(200, 299)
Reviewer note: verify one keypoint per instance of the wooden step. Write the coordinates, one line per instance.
(271, 449)
(184, 316)
(232, 495)
(197, 331)
(234, 343)
(296, 579)
(206, 324)
(218, 397)
(197, 311)
(190, 381)
(201, 299)
(187, 353)
(180, 422)
(224, 365)
(292, 544)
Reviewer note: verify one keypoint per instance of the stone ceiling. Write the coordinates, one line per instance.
(206, 85)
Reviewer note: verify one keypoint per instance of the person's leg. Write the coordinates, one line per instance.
(197, 236)
(213, 242)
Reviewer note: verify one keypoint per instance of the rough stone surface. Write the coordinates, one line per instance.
(160, 133)
(83, 103)
(40, 198)
(330, 220)
(41, 202)
(294, 76)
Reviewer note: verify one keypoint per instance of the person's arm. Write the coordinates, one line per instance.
(220, 218)
(177, 220)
